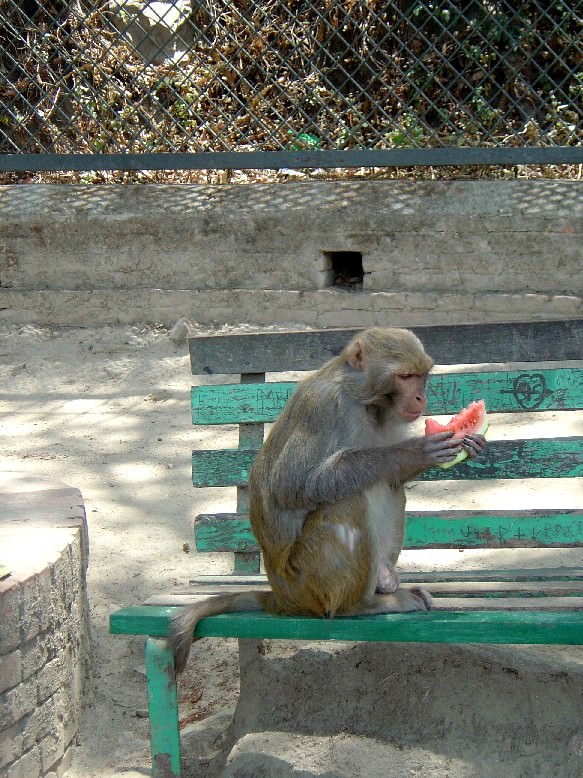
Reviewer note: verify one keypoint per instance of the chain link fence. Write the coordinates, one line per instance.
(136, 77)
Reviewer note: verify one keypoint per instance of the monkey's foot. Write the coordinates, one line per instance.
(388, 580)
(423, 595)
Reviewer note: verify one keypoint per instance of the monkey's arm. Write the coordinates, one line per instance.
(350, 471)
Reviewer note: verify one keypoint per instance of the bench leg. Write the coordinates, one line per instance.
(163, 710)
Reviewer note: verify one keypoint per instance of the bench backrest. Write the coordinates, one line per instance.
(247, 400)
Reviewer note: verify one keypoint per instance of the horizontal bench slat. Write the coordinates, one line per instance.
(536, 458)
(439, 590)
(507, 391)
(240, 403)
(149, 620)
(495, 589)
(449, 529)
(435, 626)
(447, 344)
(418, 576)
(443, 600)
(525, 529)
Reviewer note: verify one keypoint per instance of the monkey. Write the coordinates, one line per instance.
(326, 490)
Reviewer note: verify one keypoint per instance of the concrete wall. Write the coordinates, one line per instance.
(431, 251)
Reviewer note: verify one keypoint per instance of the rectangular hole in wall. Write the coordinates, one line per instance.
(345, 269)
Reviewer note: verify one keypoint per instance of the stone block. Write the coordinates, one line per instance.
(52, 749)
(44, 648)
(31, 616)
(152, 28)
(54, 675)
(10, 598)
(28, 766)
(41, 722)
(47, 605)
(11, 743)
(10, 670)
(17, 703)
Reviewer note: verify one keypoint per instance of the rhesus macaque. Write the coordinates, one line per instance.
(327, 488)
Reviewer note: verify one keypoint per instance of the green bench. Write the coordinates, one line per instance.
(543, 606)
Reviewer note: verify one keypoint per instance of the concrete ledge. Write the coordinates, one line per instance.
(459, 251)
(511, 236)
(43, 635)
(266, 307)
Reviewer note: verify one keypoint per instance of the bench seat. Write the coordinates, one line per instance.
(516, 368)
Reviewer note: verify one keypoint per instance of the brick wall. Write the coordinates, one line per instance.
(43, 635)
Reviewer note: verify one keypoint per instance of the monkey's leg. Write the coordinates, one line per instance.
(388, 579)
(331, 567)
(386, 514)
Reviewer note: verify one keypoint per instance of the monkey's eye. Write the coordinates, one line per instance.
(411, 376)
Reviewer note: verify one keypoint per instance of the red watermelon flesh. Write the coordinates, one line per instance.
(472, 419)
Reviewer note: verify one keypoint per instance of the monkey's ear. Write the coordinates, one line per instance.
(355, 355)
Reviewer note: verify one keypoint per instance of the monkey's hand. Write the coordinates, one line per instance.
(443, 447)
(473, 445)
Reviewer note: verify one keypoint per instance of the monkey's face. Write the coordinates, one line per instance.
(389, 373)
(409, 397)
(398, 395)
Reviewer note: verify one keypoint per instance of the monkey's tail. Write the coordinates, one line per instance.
(185, 621)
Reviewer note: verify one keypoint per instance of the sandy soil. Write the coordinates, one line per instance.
(107, 410)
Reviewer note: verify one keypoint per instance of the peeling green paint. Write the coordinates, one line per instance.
(537, 458)
(503, 391)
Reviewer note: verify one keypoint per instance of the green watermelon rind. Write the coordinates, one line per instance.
(463, 453)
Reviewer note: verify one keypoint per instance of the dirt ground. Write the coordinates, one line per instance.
(107, 410)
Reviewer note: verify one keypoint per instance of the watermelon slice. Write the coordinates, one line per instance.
(472, 419)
